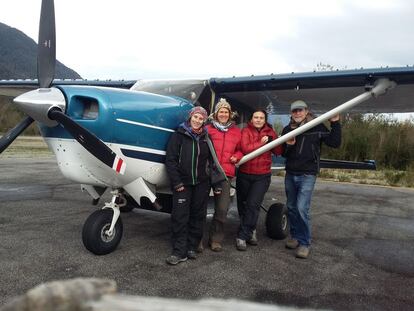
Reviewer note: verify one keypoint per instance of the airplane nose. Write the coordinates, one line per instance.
(37, 104)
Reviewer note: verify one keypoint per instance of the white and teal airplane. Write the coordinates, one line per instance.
(113, 134)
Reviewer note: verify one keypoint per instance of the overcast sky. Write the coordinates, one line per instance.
(129, 39)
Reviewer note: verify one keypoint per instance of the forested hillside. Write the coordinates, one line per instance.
(18, 60)
(18, 57)
(378, 137)
(383, 138)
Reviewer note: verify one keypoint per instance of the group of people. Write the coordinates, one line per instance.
(202, 157)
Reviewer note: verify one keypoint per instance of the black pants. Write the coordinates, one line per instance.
(188, 217)
(251, 190)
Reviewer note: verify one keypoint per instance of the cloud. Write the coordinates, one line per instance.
(182, 38)
(358, 37)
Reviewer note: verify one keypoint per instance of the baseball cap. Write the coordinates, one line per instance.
(298, 104)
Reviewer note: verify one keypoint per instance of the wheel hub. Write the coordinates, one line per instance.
(104, 233)
(284, 222)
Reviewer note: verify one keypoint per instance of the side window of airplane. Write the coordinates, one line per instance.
(90, 110)
(86, 108)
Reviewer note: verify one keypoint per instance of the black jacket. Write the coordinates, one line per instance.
(190, 160)
(303, 157)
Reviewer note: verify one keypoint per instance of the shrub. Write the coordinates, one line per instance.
(393, 177)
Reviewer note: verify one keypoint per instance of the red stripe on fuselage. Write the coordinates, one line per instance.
(119, 165)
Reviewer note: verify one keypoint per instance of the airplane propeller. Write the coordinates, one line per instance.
(11, 135)
(46, 60)
(46, 47)
(41, 104)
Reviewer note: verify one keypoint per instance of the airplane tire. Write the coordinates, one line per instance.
(277, 226)
(93, 233)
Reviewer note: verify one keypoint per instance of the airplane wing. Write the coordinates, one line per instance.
(14, 88)
(323, 90)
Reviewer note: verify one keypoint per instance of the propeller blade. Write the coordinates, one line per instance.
(11, 135)
(46, 46)
(46, 61)
(89, 141)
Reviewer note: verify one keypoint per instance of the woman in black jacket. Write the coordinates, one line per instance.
(192, 167)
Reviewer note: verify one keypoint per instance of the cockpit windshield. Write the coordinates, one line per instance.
(188, 89)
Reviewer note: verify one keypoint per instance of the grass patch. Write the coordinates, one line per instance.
(344, 178)
(27, 147)
(383, 177)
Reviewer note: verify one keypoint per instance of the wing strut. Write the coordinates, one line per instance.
(380, 87)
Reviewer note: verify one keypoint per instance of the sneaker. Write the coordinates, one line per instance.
(192, 255)
(216, 247)
(302, 252)
(292, 243)
(241, 245)
(253, 239)
(174, 260)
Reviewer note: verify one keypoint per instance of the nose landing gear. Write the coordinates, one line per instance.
(103, 229)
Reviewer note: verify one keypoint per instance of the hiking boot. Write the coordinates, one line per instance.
(302, 252)
(192, 255)
(200, 247)
(174, 260)
(216, 247)
(292, 243)
(241, 245)
(253, 239)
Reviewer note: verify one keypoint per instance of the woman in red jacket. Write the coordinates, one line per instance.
(226, 137)
(253, 178)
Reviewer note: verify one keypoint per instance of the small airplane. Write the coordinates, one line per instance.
(113, 135)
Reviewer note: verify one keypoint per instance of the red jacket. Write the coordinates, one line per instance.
(226, 144)
(251, 140)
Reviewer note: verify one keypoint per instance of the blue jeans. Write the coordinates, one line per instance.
(299, 189)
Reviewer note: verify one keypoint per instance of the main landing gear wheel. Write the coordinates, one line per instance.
(94, 233)
(277, 221)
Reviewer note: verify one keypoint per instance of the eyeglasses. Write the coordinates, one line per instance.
(297, 110)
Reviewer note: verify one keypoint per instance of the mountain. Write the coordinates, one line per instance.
(18, 57)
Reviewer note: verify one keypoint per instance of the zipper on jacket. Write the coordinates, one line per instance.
(192, 164)
(198, 156)
(316, 159)
(222, 147)
(301, 145)
(181, 152)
